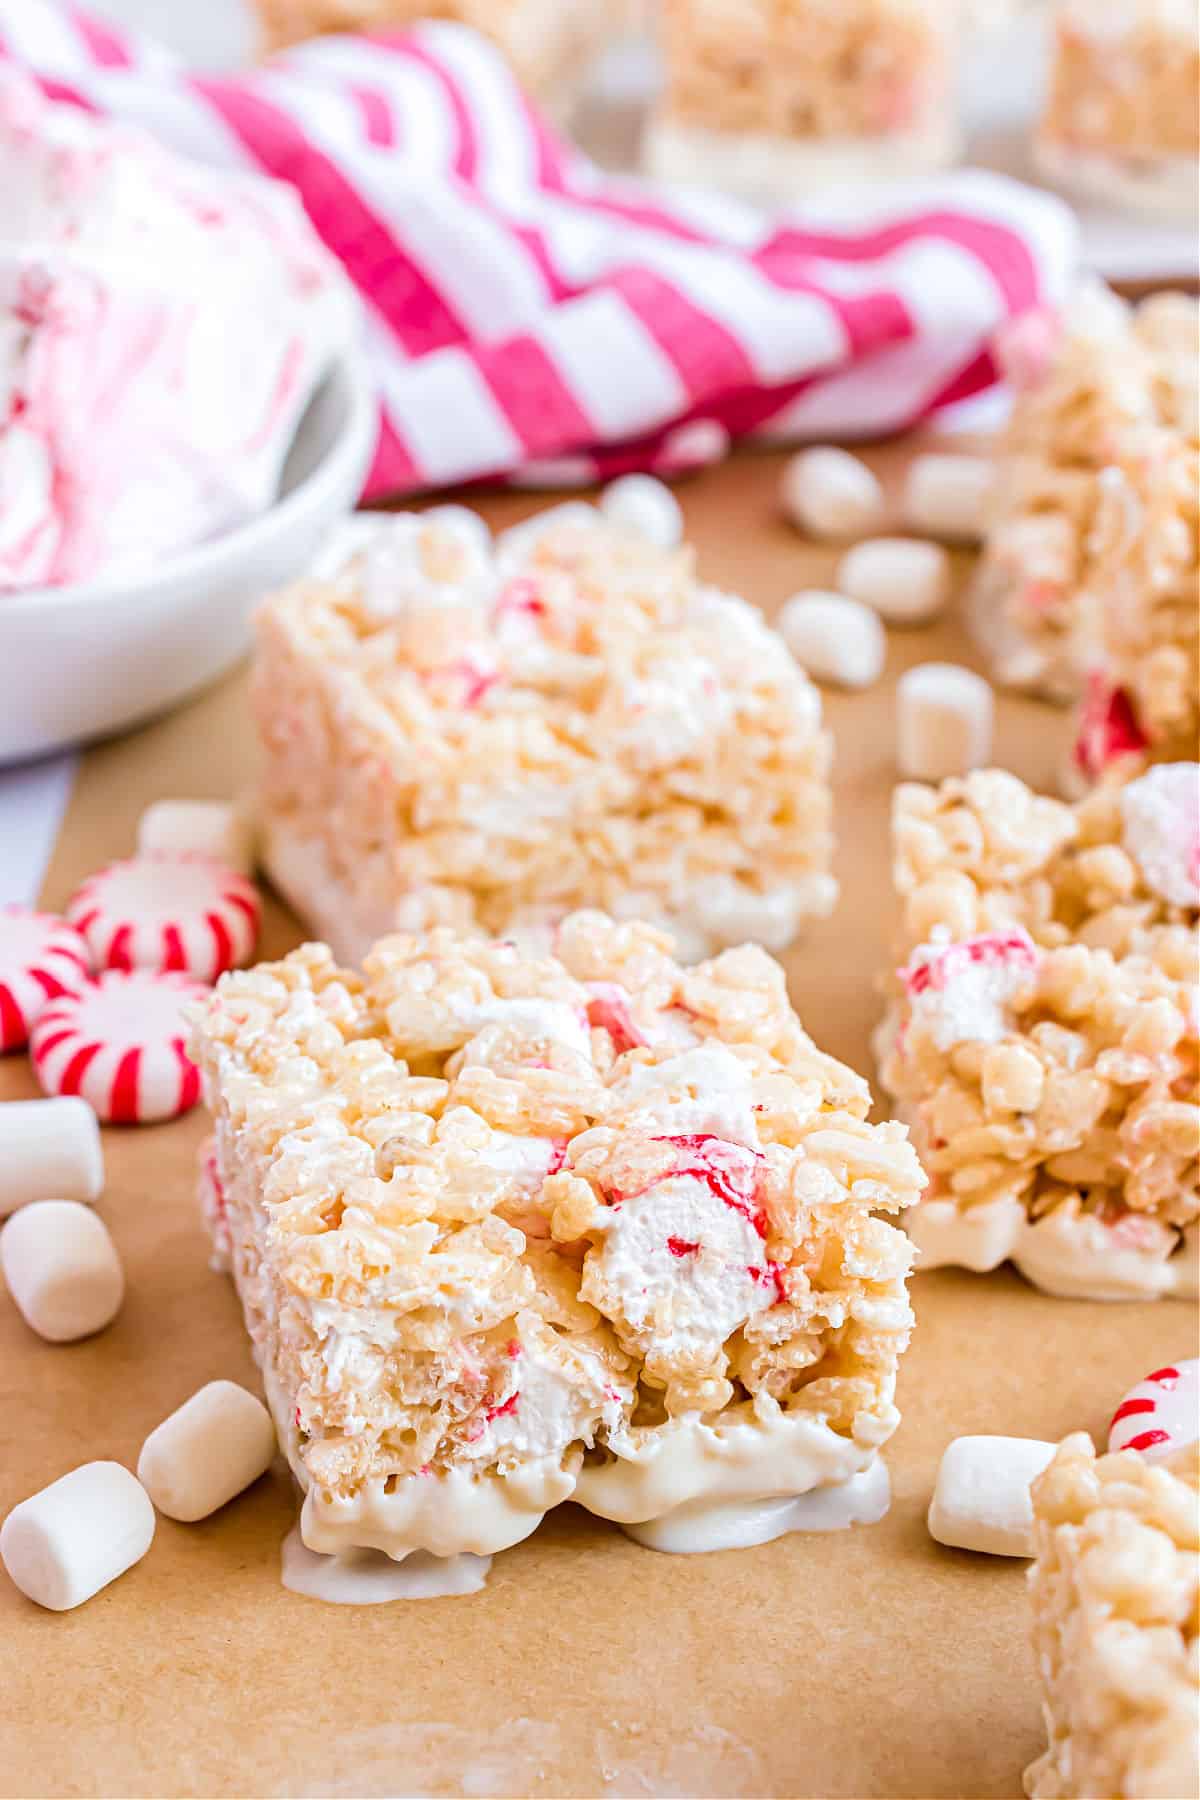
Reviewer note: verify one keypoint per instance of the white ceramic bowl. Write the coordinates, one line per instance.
(80, 662)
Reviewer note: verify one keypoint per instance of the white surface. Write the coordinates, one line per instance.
(82, 661)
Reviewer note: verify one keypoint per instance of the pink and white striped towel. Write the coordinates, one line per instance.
(530, 317)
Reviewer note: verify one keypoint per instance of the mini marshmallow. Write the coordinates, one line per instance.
(645, 505)
(464, 522)
(834, 638)
(981, 1500)
(207, 1451)
(516, 543)
(64, 1544)
(830, 494)
(49, 1150)
(205, 827)
(62, 1269)
(943, 721)
(906, 581)
(948, 496)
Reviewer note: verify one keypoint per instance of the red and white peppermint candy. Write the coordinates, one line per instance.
(41, 958)
(1160, 1414)
(174, 910)
(119, 1044)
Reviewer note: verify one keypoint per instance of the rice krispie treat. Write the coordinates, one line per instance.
(1114, 1591)
(766, 96)
(1122, 116)
(548, 42)
(1041, 1035)
(511, 1231)
(490, 739)
(1085, 387)
(1140, 628)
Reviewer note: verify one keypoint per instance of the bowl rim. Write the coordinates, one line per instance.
(207, 560)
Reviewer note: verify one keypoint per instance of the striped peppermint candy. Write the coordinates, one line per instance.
(1161, 1414)
(41, 958)
(173, 910)
(119, 1044)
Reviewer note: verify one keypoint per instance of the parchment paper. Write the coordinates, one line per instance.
(868, 1662)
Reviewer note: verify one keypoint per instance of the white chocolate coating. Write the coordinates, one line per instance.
(71, 1539)
(62, 1269)
(207, 1451)
(205, 827)
(947, 496)
(905, 580)
(49, 1150)
(831, 494)
(369, 1578)
(944, 718)
(834, 638)
(646, 505)
(981, 1500)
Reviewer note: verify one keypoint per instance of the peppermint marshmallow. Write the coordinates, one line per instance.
(41, 958)
(946, 496)
(71, 1539)
(49, 1150)
(944, 717)
(963, 993)
(834, 638)
(207, 1451)
(62, 1269)
(981, 1501)
(1160, 820)
(1161, 1414)
(176, 910)
(120, 1044)
(906, 581)
(206, 827)
(645, 505)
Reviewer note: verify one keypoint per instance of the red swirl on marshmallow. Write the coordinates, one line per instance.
(1161, 1414)
(41, 959)
(176, 911)
(962, 993)
(119, 1045)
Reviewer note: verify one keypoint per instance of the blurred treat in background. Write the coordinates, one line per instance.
(1122, 114)
(761, 97)
(551, 44)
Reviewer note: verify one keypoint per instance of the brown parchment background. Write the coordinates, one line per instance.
(862, 1663)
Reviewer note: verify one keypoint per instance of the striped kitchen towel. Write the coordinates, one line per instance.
(531, 317)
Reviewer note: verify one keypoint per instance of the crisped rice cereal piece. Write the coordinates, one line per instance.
(489, 740)
(508, 1231)
(1041, 1034)
(1114, 1592)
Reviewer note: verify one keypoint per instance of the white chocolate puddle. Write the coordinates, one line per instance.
(369, 1578)
(736, 1525)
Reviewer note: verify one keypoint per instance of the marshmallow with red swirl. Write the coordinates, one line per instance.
(1160, 820)
(169, 910)
(1161, 1414)
(41, 958)
(961, 993)
(162, 328)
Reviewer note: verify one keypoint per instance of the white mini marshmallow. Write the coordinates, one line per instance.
(831, 494)
(465, 523)
(981, 1500)
(49, 1150)
(834, 638)
(62, 1269)
(948, 496)
(943, 721)
(906, 581)
(645, 505)
(64, 1544)
(206, 827)
(515, 545)
(207, 1451)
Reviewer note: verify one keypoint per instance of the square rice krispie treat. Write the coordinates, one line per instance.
(1041, 1036)
(1140, 626)
(765, 96)
(1114, 1592)
(1122, 115)
(549, 43)
(1086, 384)
(492, 737)
(511, 1231)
